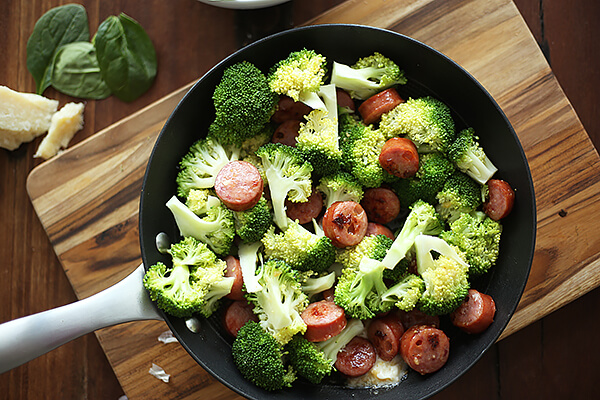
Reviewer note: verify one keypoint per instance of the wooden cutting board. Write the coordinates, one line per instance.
(87, 197)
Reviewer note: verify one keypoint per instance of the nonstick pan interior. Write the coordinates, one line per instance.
(429, 73)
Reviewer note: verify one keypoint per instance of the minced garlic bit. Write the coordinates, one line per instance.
(167, 337)
(159, 373)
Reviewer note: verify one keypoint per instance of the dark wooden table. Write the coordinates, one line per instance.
(554, 357)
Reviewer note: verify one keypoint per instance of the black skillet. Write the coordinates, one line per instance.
(429, 73)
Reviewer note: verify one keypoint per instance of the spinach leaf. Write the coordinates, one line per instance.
(126, 57)
(76, 72)
(59, 26)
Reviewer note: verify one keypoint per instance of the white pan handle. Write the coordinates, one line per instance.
(24, 339)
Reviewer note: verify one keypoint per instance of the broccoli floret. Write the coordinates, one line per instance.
(434, 170)
(318, 136)
(426, 121)
(360, 154)
(250, 256)
(341, 186)
(280, 301)
(312, 285)
(470, 157)
(198, 169)
(359, 290)
(244, 104)
(251, 224)
(421, 220)
(460, 194)
(288, 176)
(478, 236)
(315, 361)
(300, 248)
(199, 201)
(259, 357)
(216, 228)
(308, 360)
(445, 277)
(405, 294)
(373, 246)
(367, 76)
(299, 75)
(194, 283)
(250, 145)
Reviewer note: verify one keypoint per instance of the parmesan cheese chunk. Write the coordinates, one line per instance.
(65, 123)
(23, 117)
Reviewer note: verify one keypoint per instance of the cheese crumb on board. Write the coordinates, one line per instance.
(23, 117)
(65, 123)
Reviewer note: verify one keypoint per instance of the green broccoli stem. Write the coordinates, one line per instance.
(425, 244)
(248, 255)
(189, 223)
(480, 170)
(332, 346)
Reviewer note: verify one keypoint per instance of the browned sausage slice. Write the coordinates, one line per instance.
(385, 334)
(500, 200)
(425, 348)
(288, 109)
(234, 270)
(239, 185)
(357, 358)
(381, 205)
(236, 315)
(475, 314)
(304, 212)
(323, 319)
(375, 106)
(399, 157)
(416, 317)
(374, 228)
(287, 132)
(344, 100)
(345, 223)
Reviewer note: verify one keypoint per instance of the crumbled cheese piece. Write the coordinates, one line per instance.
(65, 123)
(159, 373)
(23, 117)
(383, 374)
(167, 337)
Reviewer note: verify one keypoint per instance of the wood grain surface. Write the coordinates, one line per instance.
(87, 198)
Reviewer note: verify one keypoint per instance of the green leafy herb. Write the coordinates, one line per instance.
(76, 72)
(126, 57)
(57, 27)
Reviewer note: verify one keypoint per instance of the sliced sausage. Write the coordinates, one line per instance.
(500, 199)
(357, 358)
(425, 348)
(381, 205)
(345, 223)
(416, 317)
(385, 334)
(234, 270)
(344, 100)
(374, 228)
(399, 157)
(288, 109)
(287, 132)
(236, 315)
(475, 314)
(304, 212)
(323, 319)
(375, 106)
(239, 185)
